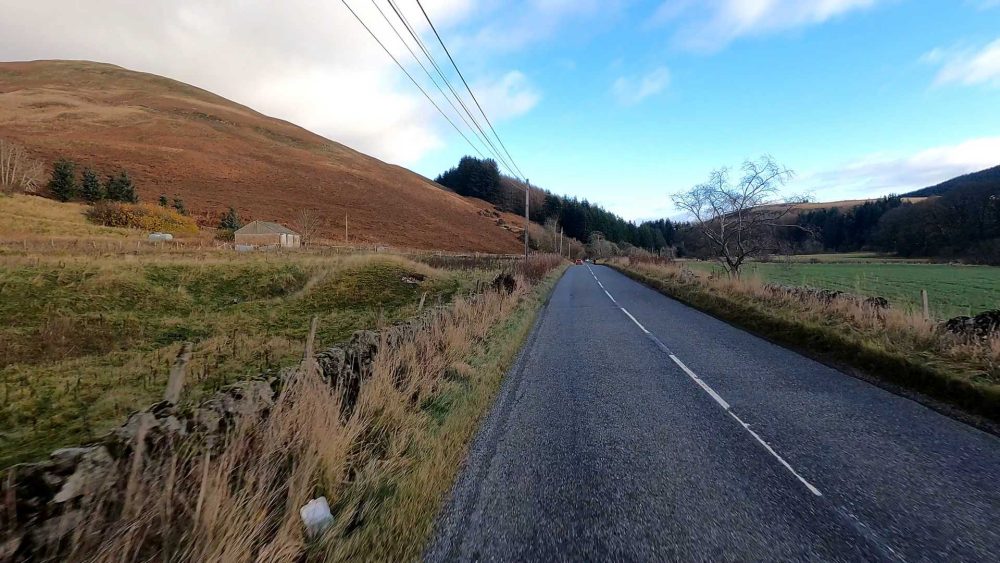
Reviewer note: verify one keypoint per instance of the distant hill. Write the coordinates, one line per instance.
(177, 139)
(988, 178)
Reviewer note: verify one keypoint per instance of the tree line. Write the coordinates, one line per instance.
(65, 185)
(578, 219)
(962, 222)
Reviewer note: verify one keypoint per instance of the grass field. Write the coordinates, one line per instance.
(953, 290)
(84, 340)
(25, 215)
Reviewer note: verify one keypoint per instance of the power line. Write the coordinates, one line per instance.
(408, 75)
(416, 36)
(443, 46)
(427, 72)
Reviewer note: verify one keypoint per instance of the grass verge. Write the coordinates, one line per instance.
(894, 347)
(385, 465)
(404, 524)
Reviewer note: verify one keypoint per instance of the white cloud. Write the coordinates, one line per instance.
(710, 25)
(632, 90)
(510, 96)
(881, 174)
(966, 66)
(513, 25)
(304, 61)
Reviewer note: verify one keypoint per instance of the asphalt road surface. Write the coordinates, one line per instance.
(635, 428)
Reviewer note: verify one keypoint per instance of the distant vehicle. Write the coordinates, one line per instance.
(579, 262)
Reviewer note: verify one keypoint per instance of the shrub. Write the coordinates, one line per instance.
(537, 266)
(18, 171)
(145, 217)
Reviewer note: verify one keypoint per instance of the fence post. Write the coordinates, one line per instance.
(927, 308)
(309, 365)
(177, 372)
(424, 297)
(311, 340)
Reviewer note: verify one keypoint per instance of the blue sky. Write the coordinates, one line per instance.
(864, 99)
(622, 102)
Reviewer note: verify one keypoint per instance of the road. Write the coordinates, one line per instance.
(633, 427)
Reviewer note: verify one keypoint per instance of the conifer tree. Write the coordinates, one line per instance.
(126, 188)
(63, 182)
(111, 188)
(230, 221)
(121, 188)
(90, 186)
(163, 200)
(179, 206)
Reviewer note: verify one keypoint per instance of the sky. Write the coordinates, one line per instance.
(620, 102)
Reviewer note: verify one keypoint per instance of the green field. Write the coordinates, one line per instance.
(953, 290)
(84, 340)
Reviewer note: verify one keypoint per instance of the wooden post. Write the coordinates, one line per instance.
(926, 302)
(311, 339)
(138, 451)
(345, 228)
(204, 484)
(177, 372)
(424, 298)
(527, 205)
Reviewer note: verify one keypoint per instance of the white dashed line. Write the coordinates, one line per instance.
(718, 399)
(746, 427)
(722, 402)
(633, 320)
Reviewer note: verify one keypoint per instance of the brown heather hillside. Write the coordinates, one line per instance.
(180, 140)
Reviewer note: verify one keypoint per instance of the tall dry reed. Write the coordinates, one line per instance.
(240, 502)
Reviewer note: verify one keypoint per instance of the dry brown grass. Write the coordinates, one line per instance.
(179, 140)
(242, 504)
(899, 346)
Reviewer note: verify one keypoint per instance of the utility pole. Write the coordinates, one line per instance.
(560, 241)
(345, 228)
(527, 204)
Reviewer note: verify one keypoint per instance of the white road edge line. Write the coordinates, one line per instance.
(746, 427)
(611, 298)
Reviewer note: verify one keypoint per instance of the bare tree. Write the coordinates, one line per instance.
(600, 247)
(740, 219)
(18, 171)
(308, 223)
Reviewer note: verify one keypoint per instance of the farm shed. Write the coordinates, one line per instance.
(264, 233)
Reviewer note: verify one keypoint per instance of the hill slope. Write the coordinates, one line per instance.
(988, 177)
(180, 140)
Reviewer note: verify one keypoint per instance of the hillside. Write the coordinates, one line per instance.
(989, 178)
(177, 139)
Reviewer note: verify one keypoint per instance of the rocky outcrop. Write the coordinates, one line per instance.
(504, 283)
(42, 503)
(827, 296)
(983, 325)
